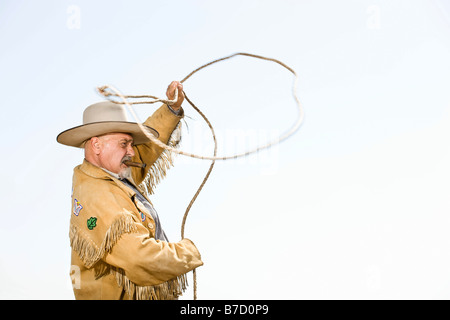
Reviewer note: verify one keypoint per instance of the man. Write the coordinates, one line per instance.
(119, 249)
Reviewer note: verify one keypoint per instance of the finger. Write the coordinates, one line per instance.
(180, 92)
(174, 85)
(171, 90)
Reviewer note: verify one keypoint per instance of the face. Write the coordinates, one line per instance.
(114, 148)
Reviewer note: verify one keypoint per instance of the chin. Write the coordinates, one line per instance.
(125, 173)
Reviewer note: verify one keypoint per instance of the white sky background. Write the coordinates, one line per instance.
(354, 206)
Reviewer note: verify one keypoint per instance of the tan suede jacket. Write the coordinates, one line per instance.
(114, 252)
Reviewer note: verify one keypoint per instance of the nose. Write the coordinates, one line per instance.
(130, 150)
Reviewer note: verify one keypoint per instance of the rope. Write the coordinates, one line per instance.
(104, 90)
(109, 91)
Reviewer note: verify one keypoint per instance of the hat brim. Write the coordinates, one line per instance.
(75, 137)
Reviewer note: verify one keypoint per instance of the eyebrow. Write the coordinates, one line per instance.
(125, 140)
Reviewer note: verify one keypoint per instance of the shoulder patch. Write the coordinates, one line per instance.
(76, 207)
(91, 223)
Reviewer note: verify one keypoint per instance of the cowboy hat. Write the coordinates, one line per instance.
(101, 118)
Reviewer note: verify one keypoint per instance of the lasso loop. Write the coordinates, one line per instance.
(109, 92)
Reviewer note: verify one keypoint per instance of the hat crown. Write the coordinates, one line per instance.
(105, 111)
(101, 118)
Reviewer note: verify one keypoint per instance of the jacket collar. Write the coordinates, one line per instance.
(94, 171)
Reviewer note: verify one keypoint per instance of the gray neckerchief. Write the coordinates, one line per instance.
(159, 232)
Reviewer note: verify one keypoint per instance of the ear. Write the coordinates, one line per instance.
(95, 144)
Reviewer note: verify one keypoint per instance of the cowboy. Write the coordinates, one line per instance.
(119, 249)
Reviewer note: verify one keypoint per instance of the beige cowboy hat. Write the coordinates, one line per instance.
(101, 118)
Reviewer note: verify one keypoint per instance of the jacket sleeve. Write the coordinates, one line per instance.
(165, 122)
(149, 262)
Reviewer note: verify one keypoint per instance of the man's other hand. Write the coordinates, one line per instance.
(171, 94)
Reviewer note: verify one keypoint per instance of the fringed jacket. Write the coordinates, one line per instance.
(114, 251)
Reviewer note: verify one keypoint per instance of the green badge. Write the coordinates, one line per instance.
(91, 223)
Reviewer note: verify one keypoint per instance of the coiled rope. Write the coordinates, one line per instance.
(109, 91)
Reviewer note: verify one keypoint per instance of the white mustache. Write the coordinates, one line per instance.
(126, 158)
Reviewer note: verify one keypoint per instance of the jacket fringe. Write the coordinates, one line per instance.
(168, 290)
(158, 170)
(88, 251)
